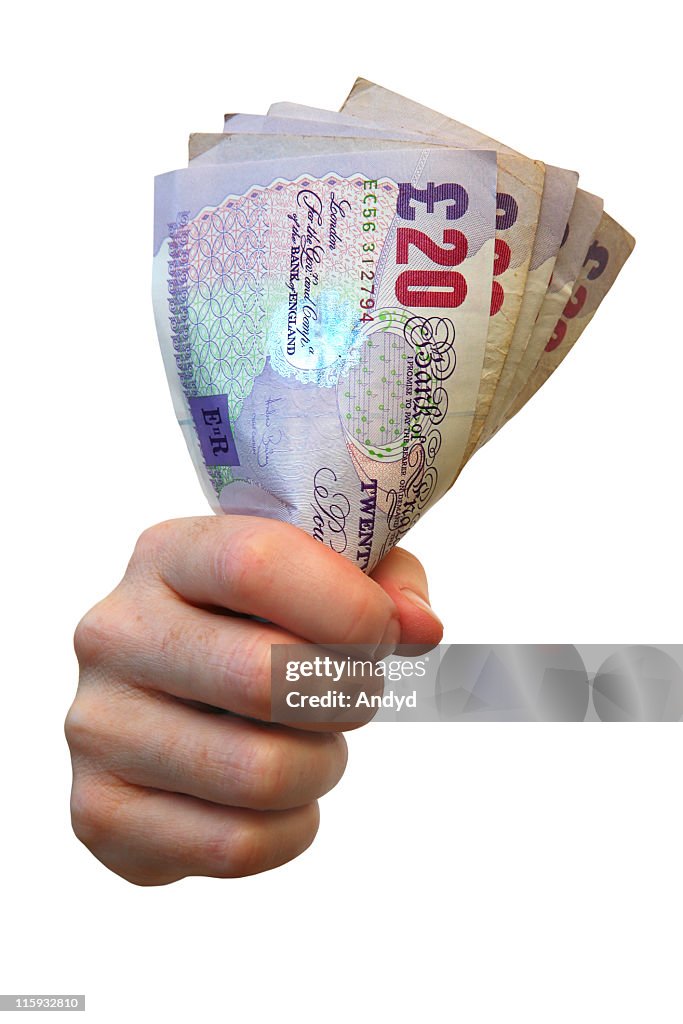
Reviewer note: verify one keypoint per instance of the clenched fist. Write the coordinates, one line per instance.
(164, 786)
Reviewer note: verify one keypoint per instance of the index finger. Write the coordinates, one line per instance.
(275, 571)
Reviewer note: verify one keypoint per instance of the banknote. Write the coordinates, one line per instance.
(303, 112)
(226, 148)
(609, 250)
(323, 320)
(565, 210)
(559, 197)
(580, 232)
(520, 188)
(338, 126)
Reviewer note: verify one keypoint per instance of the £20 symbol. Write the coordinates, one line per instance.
(435, 288)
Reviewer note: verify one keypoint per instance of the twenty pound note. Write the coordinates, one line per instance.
(323, 321)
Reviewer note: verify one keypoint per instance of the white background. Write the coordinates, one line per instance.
(480, 874)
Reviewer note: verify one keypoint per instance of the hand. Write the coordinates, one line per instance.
(163, 788)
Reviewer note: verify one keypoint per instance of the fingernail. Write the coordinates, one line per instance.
(389, 642)
(420, 602)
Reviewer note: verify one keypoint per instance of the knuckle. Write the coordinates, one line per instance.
(98, 821)
(151, 544)
(111, 630)
(89, 819)
(324, 764)
(78, 726)
(107, 628)
(245, 562)
(92, 634)
(248, 850)
(100, 725)
(303, 832)
(267, 776)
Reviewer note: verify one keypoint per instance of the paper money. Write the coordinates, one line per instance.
(324, 371)
(398, 110)
(556, 209)
(226, 148)
(604, 259)
(350, 303)
(580, 232)
(337, 126)
(520, 187)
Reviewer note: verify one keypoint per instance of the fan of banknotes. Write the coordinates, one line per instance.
(350, 304)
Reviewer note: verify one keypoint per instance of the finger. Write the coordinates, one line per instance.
(153, 838)
(402, 577)
(220, 758)
(163, 644)
(275, 571)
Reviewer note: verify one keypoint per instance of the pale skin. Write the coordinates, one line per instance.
(163, 786)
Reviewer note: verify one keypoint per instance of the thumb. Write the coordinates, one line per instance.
(402, 577)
